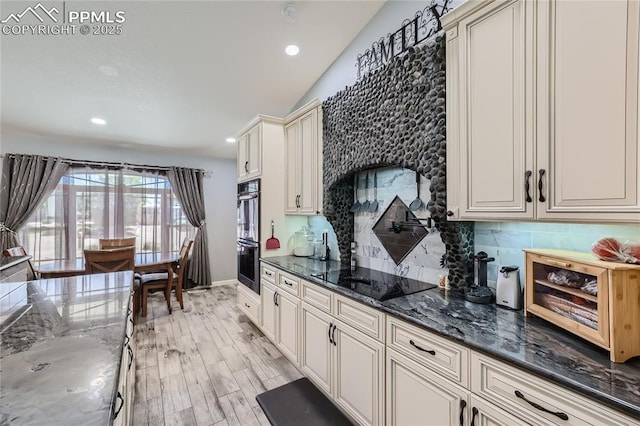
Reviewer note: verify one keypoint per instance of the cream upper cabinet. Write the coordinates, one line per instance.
(587, 118)
(303, 155)
(250, 154)
(489, 118)
(538, 126)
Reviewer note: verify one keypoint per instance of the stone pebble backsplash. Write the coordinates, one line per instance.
(423, 262)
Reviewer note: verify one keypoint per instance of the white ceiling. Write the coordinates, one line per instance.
(182, 75)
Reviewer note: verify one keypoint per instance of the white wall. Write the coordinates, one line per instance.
(343, 70)
(219, 189)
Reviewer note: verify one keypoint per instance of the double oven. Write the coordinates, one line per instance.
(249, 234)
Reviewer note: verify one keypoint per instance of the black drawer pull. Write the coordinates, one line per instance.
(130, 356)
(540, 194)
(463, 405)
(527, 177)
(289, 283)
(268, 273)
(119, 396)
(429, 351)
(537, 406)
(474, 413)
(247, 305)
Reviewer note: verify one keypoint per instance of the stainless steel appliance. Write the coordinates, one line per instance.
(249, 234)
(508, 290)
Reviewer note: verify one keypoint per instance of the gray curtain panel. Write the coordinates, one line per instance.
(187, 185)
(26, 181)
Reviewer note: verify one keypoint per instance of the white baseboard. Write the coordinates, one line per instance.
(224, 282)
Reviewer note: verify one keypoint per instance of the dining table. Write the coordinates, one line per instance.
(144, 263)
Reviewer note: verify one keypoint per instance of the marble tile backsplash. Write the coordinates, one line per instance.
(423, 262)
(505, 240)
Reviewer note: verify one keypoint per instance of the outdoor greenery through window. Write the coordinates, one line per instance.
(91, 204)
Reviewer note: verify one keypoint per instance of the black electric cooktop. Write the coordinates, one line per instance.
(375, 284)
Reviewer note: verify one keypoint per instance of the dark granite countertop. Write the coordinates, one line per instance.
(529, 343)
(60, 348)
(9, 261)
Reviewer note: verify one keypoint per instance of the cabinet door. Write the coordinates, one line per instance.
(269, 310)
(287, 325)
(243, 160)
(417, 396)
(308, 161)
(254, 148)
(588, 109)
(494, 112)
(486, 414)
(359, 375)
(316, 348)
(292, 167)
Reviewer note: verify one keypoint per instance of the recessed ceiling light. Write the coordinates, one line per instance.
(98, 121)
(231, 140)
(292, 50)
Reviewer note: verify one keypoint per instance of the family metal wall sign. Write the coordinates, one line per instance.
(414, 31)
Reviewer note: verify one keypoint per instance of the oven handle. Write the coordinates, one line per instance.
(248, 196)
(250, 244)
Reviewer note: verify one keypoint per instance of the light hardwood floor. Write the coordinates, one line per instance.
(203, 365)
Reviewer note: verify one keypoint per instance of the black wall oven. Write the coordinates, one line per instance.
(249, 234)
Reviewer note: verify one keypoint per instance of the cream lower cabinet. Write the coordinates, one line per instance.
(418, 396)
(249, 304)
(345, 363)
(269, 310)
(280, 313)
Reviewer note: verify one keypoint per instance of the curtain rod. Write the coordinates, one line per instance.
(70, 161)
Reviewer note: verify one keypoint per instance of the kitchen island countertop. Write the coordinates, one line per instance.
(529, 343)
(61, 343)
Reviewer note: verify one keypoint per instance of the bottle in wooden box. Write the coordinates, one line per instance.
(596, 300)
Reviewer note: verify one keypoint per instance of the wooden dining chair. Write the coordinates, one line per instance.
(117, 242)
(20, 251)
(109, 260)
(160, 280)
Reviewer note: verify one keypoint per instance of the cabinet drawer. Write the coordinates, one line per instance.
(288, 283)
(249, 305)
(434, 352)
(359, 316)
(268, 273)
(517, 392)
(316, 296)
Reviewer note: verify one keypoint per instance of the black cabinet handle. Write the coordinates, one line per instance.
(474, 413)
(275, 301)
(329, 333)
(449, 213)
(463, 405)
(333, 335)
(527, 177)
(119, 396)
(429, 351)
(541, 195)
(126, 340)
(289, 283)
(246, 166)
(537, 406)
(277, 294)
(130, 356)
(247, 305)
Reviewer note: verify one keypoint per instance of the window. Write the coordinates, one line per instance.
(91, 204)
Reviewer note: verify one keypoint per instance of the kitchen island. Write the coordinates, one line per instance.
(61, 349)
(13, 268)
(529, 344)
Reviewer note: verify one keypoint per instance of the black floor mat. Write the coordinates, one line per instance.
(300, 403)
